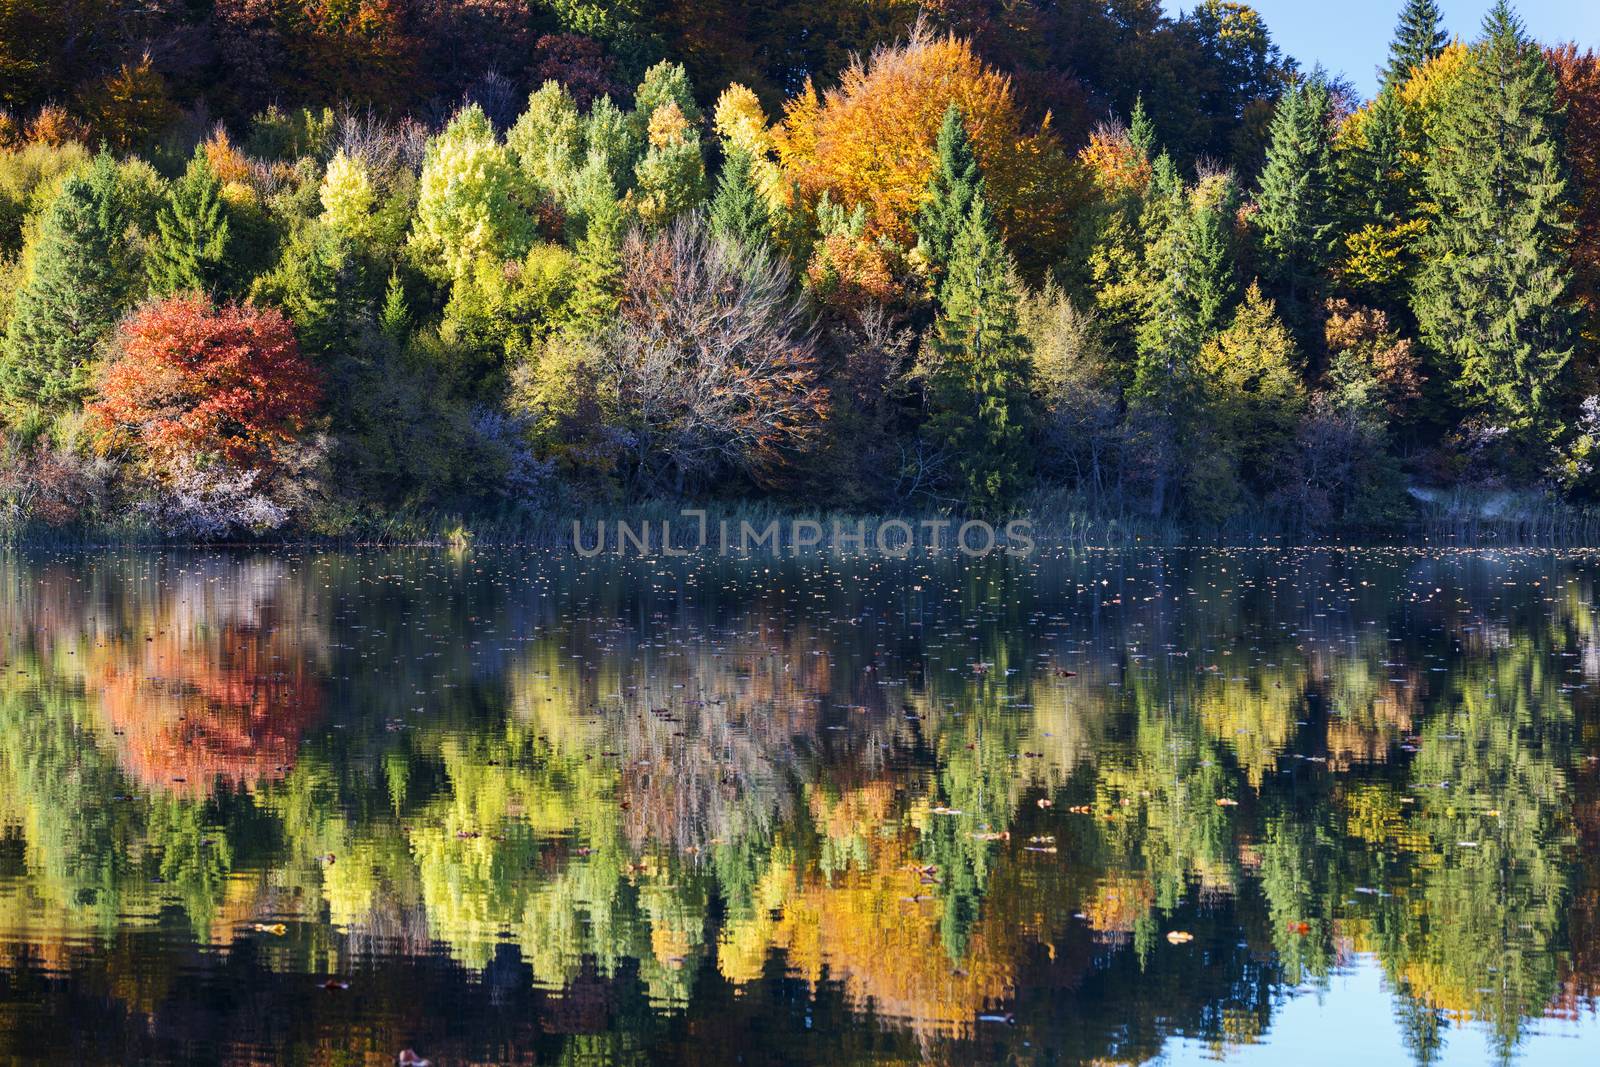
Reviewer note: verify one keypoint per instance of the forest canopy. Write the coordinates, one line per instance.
(306, 265)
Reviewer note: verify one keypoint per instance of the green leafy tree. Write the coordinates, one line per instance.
(190, 250)
(79, 286)
(1418, 37)
(471, 198)
(978, 389)
(955, 184)
(1297, 215)
(1493, 295)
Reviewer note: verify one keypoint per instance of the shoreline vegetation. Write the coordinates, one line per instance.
(398, 271)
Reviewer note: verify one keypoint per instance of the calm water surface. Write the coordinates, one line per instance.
(1258, 806)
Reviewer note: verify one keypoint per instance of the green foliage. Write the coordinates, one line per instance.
(1297, 210)
(1493, 295)
(738, 210)
(472, 199)
(955, 184)
(978, 388)
(1418, 37)
(190, 250)
(79, 284)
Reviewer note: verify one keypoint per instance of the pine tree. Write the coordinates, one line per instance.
(1297, 213)
(1494, 291)
(738, 210)
(1418, 37)
(955, 184)
(1379, 188)
(78, 288)
(978, 391)
(189, 253)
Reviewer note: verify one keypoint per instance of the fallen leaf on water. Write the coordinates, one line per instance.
(1180, 937)
(275, 929)
(1225, 802)
(335, 984)
(1045, 802)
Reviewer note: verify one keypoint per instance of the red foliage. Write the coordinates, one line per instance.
(1578, 90)
(578, 63)
(190, 379)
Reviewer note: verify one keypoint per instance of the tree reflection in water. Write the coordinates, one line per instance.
(532, 808)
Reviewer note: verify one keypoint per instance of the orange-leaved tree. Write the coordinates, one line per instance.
(871, 142)
(191, 382)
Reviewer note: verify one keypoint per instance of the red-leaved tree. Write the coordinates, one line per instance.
(193, 382)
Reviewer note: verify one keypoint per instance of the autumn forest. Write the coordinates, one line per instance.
(320, 267)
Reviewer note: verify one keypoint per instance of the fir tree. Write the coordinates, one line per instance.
(1297, 216)
(1493, 294)
(1141, 131)
(78, 288)
(394, 318)
(1379, 186)
(189, 253)
(955, 185)
(738, 210)
(979, 384)
(599, 273)
(1418, 37)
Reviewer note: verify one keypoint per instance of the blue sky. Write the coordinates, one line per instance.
(1351, 37)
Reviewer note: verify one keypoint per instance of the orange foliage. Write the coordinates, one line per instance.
(871, 141)
(52, 125)
(226, 162)
(848, 273)
(131, 105)
(356, 48)
(191, 710)
(1114, 164)
(190, 380)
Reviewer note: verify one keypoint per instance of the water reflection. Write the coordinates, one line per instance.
(528, 807)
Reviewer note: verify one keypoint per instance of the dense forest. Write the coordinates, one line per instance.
(309, 265)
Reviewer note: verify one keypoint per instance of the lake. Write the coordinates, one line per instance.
(1327, 805)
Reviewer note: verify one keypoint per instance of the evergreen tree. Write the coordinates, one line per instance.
(394, 319)
(1379, 188)
(1418, 38)
(1297, 214)
(78, 288)
(1141, 131)
(738, 210)
(599, 273)
(1493, 294)
(189, 253)
(955, 184)
(1191, 267)
(978, 390)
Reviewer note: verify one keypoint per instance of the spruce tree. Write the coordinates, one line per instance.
(1493, 295)
(1418, 37)
(189, 253)
(394, 318)
(78, 288)
(978, 391)
(738, 210)
(1192, 284)
(1297, 213)
(955, 185)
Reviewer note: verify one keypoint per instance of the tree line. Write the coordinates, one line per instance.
(977, 265)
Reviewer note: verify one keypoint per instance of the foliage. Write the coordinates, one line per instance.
(191, 382)
(190, 251)
(80, 282)
(1494, 290)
